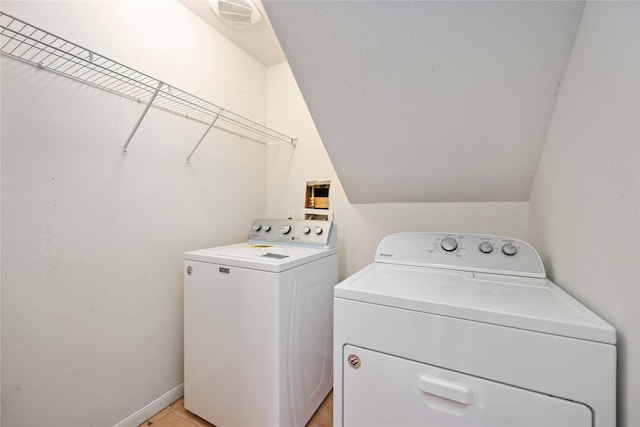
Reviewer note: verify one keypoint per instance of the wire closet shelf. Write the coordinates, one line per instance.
(25, 42)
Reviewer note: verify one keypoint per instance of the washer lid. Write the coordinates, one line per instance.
(265, 257)
(520, 302)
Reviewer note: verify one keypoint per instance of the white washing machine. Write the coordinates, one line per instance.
(465, 330)
(258, 322)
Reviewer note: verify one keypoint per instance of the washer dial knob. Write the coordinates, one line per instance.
(449, 244)
(267, 228)
(257, 227)
(509, 249)
(486, 247)
(306, 230)
(285, 229)
(318, 230)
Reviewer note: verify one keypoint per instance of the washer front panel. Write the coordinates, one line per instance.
(415, 392)
(258, 344)
(582, 371)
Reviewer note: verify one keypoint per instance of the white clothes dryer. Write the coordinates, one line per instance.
(465, 330)
(258, 325)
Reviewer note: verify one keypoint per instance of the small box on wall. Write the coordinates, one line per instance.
(316, 202)
(317, 195)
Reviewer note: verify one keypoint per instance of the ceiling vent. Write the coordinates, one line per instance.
(236, 13)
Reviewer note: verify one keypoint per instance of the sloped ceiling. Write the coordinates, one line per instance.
(429, 101)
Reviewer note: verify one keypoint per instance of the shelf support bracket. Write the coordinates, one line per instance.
(213, 122)
(144, 113)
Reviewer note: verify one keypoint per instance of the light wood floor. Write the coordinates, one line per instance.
(175, 415)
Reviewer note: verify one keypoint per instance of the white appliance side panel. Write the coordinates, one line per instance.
(389, 391)
(311, 326)
(583, 371)
(233, 345)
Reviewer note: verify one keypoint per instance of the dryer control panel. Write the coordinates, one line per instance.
(467, 252)
(312, 233)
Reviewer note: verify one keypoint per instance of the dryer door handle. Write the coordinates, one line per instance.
(452, 391)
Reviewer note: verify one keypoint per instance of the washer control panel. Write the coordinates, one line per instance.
(313, 233)
(468, 252)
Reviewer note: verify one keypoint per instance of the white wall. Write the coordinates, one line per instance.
(585, 209)
(92, 241)
(361, 226)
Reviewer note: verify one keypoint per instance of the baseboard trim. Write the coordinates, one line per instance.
(142, 415)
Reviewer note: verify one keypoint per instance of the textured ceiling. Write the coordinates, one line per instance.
(426, 101)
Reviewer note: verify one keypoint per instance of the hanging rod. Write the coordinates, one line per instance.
(38, 47)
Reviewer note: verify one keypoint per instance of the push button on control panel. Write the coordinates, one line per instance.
(449, 244)
(509, 249)
(486, 247)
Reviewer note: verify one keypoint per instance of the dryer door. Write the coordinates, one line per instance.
(384, 390)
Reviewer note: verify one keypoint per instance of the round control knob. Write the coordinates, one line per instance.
(449, 244)
(486, 247)
(306, 230)
(509, 249)
(318, 230)
(267, 228)
(257, 227)
(285, 229)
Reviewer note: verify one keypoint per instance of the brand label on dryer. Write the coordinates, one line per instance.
(223, 270)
